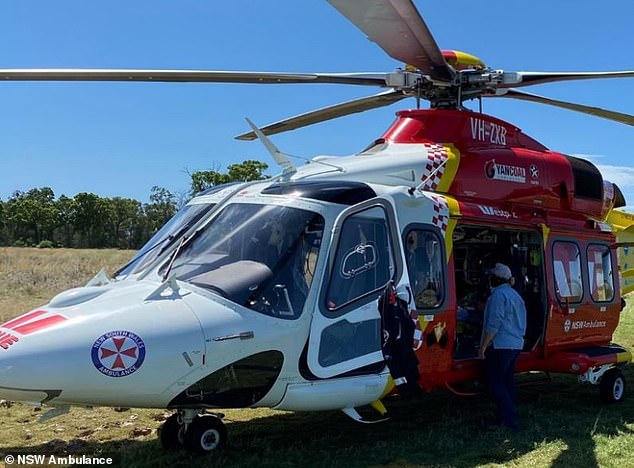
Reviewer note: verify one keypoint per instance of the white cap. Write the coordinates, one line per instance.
(501, 271)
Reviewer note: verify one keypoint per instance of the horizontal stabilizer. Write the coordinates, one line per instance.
(623, 226)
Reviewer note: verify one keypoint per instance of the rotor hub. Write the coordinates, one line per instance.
(462, 60)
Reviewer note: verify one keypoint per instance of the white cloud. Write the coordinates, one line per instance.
(589, 157)
(622, 176)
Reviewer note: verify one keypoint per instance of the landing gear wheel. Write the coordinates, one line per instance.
(205, 434)
(171, 433)
(612, 386)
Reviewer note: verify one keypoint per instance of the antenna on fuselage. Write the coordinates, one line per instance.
(288, 168)
(419, 187)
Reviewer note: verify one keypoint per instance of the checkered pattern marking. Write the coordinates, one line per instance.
(440, 218)
(435, 167)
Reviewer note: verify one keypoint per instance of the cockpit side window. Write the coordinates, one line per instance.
(423, 255)
(364, 259)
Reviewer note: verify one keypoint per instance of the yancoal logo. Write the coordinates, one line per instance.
(489, 169)
(118, 353)
(504, 172)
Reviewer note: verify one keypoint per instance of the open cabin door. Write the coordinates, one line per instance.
(345, 333)
(477, 247)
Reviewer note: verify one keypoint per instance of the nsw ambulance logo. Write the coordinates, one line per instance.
(118, 353)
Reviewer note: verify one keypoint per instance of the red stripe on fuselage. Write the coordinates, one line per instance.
(24, 318)
(39, 324)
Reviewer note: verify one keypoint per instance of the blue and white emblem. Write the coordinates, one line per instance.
(118, 353)
(534, 171)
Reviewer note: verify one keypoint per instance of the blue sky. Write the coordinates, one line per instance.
(120, 139)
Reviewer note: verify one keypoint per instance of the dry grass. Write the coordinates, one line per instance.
(30, 277)
(564, 425)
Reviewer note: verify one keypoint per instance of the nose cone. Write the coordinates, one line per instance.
(16, 362)
(111, 349)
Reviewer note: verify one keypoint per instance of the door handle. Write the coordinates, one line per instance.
(247, 335)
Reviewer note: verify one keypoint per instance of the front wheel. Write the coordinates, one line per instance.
(171, 433)
(205, 434)
(612, 386)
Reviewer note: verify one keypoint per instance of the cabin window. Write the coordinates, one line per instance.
(567, 270)
(364, 260)
(344, 340)
(600, 277)
(423, 255)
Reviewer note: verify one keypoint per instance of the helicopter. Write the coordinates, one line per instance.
(273, 293)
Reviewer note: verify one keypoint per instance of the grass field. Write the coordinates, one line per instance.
(563, 423)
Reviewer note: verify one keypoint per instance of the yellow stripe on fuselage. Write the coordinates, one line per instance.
(451, 167)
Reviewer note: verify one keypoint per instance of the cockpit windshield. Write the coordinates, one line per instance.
(180, 223)
(173, 229)
(259, 256)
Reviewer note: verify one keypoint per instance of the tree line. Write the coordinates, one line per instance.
(38, 218)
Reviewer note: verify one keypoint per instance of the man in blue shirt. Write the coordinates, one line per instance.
(502, 340)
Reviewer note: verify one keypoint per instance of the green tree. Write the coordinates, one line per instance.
(240, 172)
(91, 220)
(87, 220)
(161, 208)
(66, 218)
(33, 215)
(247, 170)
(202, 180)
(4, 235)
(125, 217)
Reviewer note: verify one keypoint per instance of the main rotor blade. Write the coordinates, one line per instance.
(397, 27)
(596, 111)
(218, 76)
(534, 78)
(327, 113)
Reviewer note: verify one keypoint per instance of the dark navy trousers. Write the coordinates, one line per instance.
(499, 367)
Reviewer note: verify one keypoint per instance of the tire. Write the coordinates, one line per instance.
(205, 434)
(171, 433)
(612, 386)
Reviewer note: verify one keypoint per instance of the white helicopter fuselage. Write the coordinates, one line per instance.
(148, 341)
